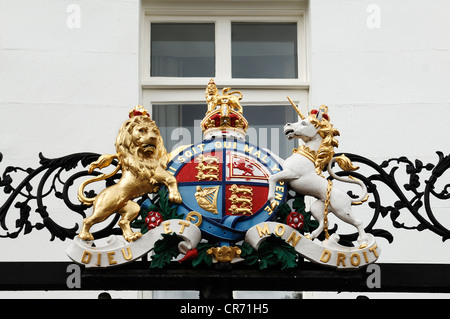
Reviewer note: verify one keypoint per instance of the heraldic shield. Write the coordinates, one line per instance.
(226, 182)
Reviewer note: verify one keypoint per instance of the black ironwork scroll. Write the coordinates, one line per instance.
(413, 197)
(50, 184)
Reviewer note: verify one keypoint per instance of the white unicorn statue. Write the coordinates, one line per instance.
(303, 171)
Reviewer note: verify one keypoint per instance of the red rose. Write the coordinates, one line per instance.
(295, 220)
(153, 219)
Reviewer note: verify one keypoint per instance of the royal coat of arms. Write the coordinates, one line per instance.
(223, 199)
(226, 181)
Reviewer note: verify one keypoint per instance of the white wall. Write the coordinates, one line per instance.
(384, 80)
(66, 88)
(383, 68)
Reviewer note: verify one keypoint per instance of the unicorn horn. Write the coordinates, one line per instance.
(296, 109)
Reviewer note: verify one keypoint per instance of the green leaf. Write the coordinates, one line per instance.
(267, 259)
(249, 254)
(251, 260)
(286, 255)
(263, 264)
(165, 250)
(202, 256)
(310, 224)
(246, 249)
(151, 208)
(265, 253)
(274, 251)
(299, 204)
(306, 216)
(283, 211)
(313, 223)
(166, 208)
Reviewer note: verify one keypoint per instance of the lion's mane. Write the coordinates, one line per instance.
(128, 150)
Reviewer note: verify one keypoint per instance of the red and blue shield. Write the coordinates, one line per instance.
(226, 181)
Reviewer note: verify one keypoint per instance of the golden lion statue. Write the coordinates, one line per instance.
(143, 160)
(213, 99)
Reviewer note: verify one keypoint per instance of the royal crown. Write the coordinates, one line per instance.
(224, 116)
(138, 110)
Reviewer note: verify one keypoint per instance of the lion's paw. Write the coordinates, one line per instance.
(133, 237)
(86, 236)
(175, 198)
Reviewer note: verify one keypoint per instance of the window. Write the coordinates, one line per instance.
(266, 123)
(182, 49)
(256, 47)
(264, 50)
(182, 125)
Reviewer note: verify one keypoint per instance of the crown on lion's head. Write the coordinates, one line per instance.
(138, 110)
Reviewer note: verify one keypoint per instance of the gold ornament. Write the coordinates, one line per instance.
(224, 254)
(143, 160)
(227, 100)
(245, 202)
(207, 198)
(305, 151)
(224, 113)
(296, 108)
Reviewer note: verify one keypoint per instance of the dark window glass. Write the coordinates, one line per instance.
(182, 49)
(264, 50)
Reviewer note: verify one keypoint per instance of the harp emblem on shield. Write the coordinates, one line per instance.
(207, 198)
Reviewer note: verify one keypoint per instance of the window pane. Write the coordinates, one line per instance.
(182, 49)
(180, 125)
(266, 127)
(264, 50)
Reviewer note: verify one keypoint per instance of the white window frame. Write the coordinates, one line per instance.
(185, 90)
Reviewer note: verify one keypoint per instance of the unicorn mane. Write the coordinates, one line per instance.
(326, 149)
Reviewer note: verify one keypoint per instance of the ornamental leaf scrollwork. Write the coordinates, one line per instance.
(38, 185)
(413, 197)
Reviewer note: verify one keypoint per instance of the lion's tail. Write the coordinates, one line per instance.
(346, 164)
(236, 92)
(103, 161)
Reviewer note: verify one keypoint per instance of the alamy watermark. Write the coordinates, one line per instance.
(373, 20)
(267, 138)
(73, 280)
(374, 279)
(74, 16)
